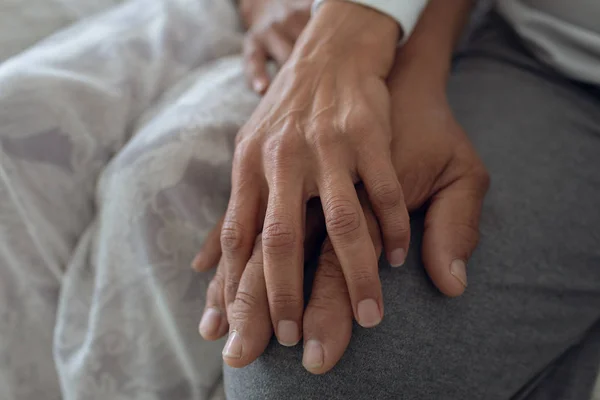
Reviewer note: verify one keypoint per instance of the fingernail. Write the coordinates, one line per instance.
(210, 322)
(259, 85)
(233, 347)
(368, 313)
(313, 355)
(287, 333)
(195, 262)
(458, 269)
(397, 257)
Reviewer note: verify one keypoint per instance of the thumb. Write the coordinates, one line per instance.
(452, 231)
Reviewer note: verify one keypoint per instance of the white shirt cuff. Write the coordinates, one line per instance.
(405, 12)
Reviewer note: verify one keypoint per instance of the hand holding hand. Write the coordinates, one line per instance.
(322, 127)
(436, 162)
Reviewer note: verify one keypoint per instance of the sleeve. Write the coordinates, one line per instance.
(406, 12)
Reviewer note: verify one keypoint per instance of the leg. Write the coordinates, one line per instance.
(534, 291)
(130, 304)
(66, 107)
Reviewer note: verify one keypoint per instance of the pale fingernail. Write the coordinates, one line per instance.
(313, 355)
(287, 333)
(458, 269)
(397, 257)
(210, 322)
(195, 263)
(368, 313)
(233, 347)
(259, 85)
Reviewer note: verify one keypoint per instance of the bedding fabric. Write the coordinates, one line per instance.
(24, 22)
(93, 309)
(116, 139)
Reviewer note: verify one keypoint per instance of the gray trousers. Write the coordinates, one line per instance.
(528, 325)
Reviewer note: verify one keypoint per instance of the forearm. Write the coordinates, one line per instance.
(347, 31)
(427, 56)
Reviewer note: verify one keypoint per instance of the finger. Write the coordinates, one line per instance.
(241, 223)
(294, 26)
(278, 46)
(283, 251)
(347, 229)
(255, 64)
(213, 324)
(250, 323)
(210, 253)
(385, 193)
(328, 315)
(452, 232)
(372, 223)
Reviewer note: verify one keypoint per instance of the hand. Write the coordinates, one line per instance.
(322, 127)
(327, 318)
(273, 28)
(436, 162)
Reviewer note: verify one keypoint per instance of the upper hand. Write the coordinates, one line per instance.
(323, 126)
(273, 28)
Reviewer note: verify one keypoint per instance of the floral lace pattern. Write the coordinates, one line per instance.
(116, 142)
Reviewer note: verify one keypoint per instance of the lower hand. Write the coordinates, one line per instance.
(436, 162)
(273, 28)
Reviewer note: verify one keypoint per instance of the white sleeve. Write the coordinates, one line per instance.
(406, 12)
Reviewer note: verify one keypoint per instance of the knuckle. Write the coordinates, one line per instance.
(396, 227)
(333, 300)
(233, 237)
(278, 236)
(250, 45)
(387, 195)
(281, 147)
(323, 133)
(245, 150)
(284, 300)
(342, 218)
(324, 303)
(361, 120)
(466, 234)
(255, 261)
(216, 285)
(402, 230)
(361, 277)
(245, 301)
(330, 269)
(231, 283)
(245, 306)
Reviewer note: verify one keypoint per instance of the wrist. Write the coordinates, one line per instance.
(418, 86)
(350, 32)
(430, 74)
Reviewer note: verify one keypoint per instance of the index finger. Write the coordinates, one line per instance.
(255, 64)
